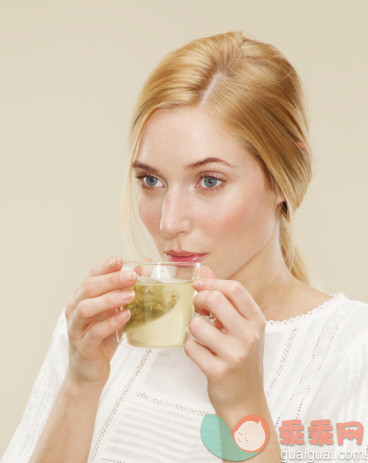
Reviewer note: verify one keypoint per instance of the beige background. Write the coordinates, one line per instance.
(70, 73)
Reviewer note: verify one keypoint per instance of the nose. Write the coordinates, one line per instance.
(175, 214)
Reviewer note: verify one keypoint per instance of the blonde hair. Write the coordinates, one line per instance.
(252, 90)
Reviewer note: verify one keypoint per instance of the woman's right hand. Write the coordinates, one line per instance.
(92, 321)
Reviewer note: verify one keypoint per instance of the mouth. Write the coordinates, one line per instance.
(185, 257)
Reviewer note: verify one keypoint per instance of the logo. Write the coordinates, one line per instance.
(248, 437)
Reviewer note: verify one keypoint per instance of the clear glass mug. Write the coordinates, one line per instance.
(162, 307)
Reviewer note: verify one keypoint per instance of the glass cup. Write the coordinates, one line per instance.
(162, 307)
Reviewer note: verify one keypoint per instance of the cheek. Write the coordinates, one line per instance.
(249, 217)
(232, 215)
(149, 213)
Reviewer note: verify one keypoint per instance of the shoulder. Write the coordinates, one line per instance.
(359, 306)
(355, 314)
(353, 326)
(347, 346)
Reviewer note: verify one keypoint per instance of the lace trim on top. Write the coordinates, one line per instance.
(336, 297)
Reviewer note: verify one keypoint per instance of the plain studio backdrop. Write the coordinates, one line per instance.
(70, 74)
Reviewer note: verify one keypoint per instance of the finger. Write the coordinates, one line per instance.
(236, 293)
(145, 270)
(202, 357)
(112, 264)
(102, 330)
(221, 308)
(208, 335)
(206, 272)
(219, 325)
(118, 334)
(89, 309)
(214, 321)
(101, 284)
(203, 312)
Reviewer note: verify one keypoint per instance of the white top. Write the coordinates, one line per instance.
(151, 408)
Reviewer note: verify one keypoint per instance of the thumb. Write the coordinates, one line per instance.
(144, 270)
(206, 272)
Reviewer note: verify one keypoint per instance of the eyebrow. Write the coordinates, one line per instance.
(195, 165)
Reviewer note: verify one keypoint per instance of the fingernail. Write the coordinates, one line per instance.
(126, 295)
(130, 275)
(123, 315)
(198, 283)
(114, 261)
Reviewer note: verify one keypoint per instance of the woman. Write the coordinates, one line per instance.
(220, 151)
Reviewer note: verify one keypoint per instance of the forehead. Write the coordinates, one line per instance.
(187, 133)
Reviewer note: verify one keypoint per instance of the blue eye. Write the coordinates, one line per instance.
(151, 181)
(210, 182)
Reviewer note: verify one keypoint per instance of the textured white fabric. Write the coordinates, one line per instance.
(150, 411)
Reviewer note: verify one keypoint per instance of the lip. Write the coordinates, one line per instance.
(186, 258)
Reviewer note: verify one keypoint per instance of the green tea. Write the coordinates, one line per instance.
(160, 314)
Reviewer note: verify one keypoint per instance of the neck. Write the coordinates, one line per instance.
(268, 280)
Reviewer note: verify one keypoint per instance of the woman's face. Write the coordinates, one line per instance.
(223, 208)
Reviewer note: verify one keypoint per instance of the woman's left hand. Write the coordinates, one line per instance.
(231, 356)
